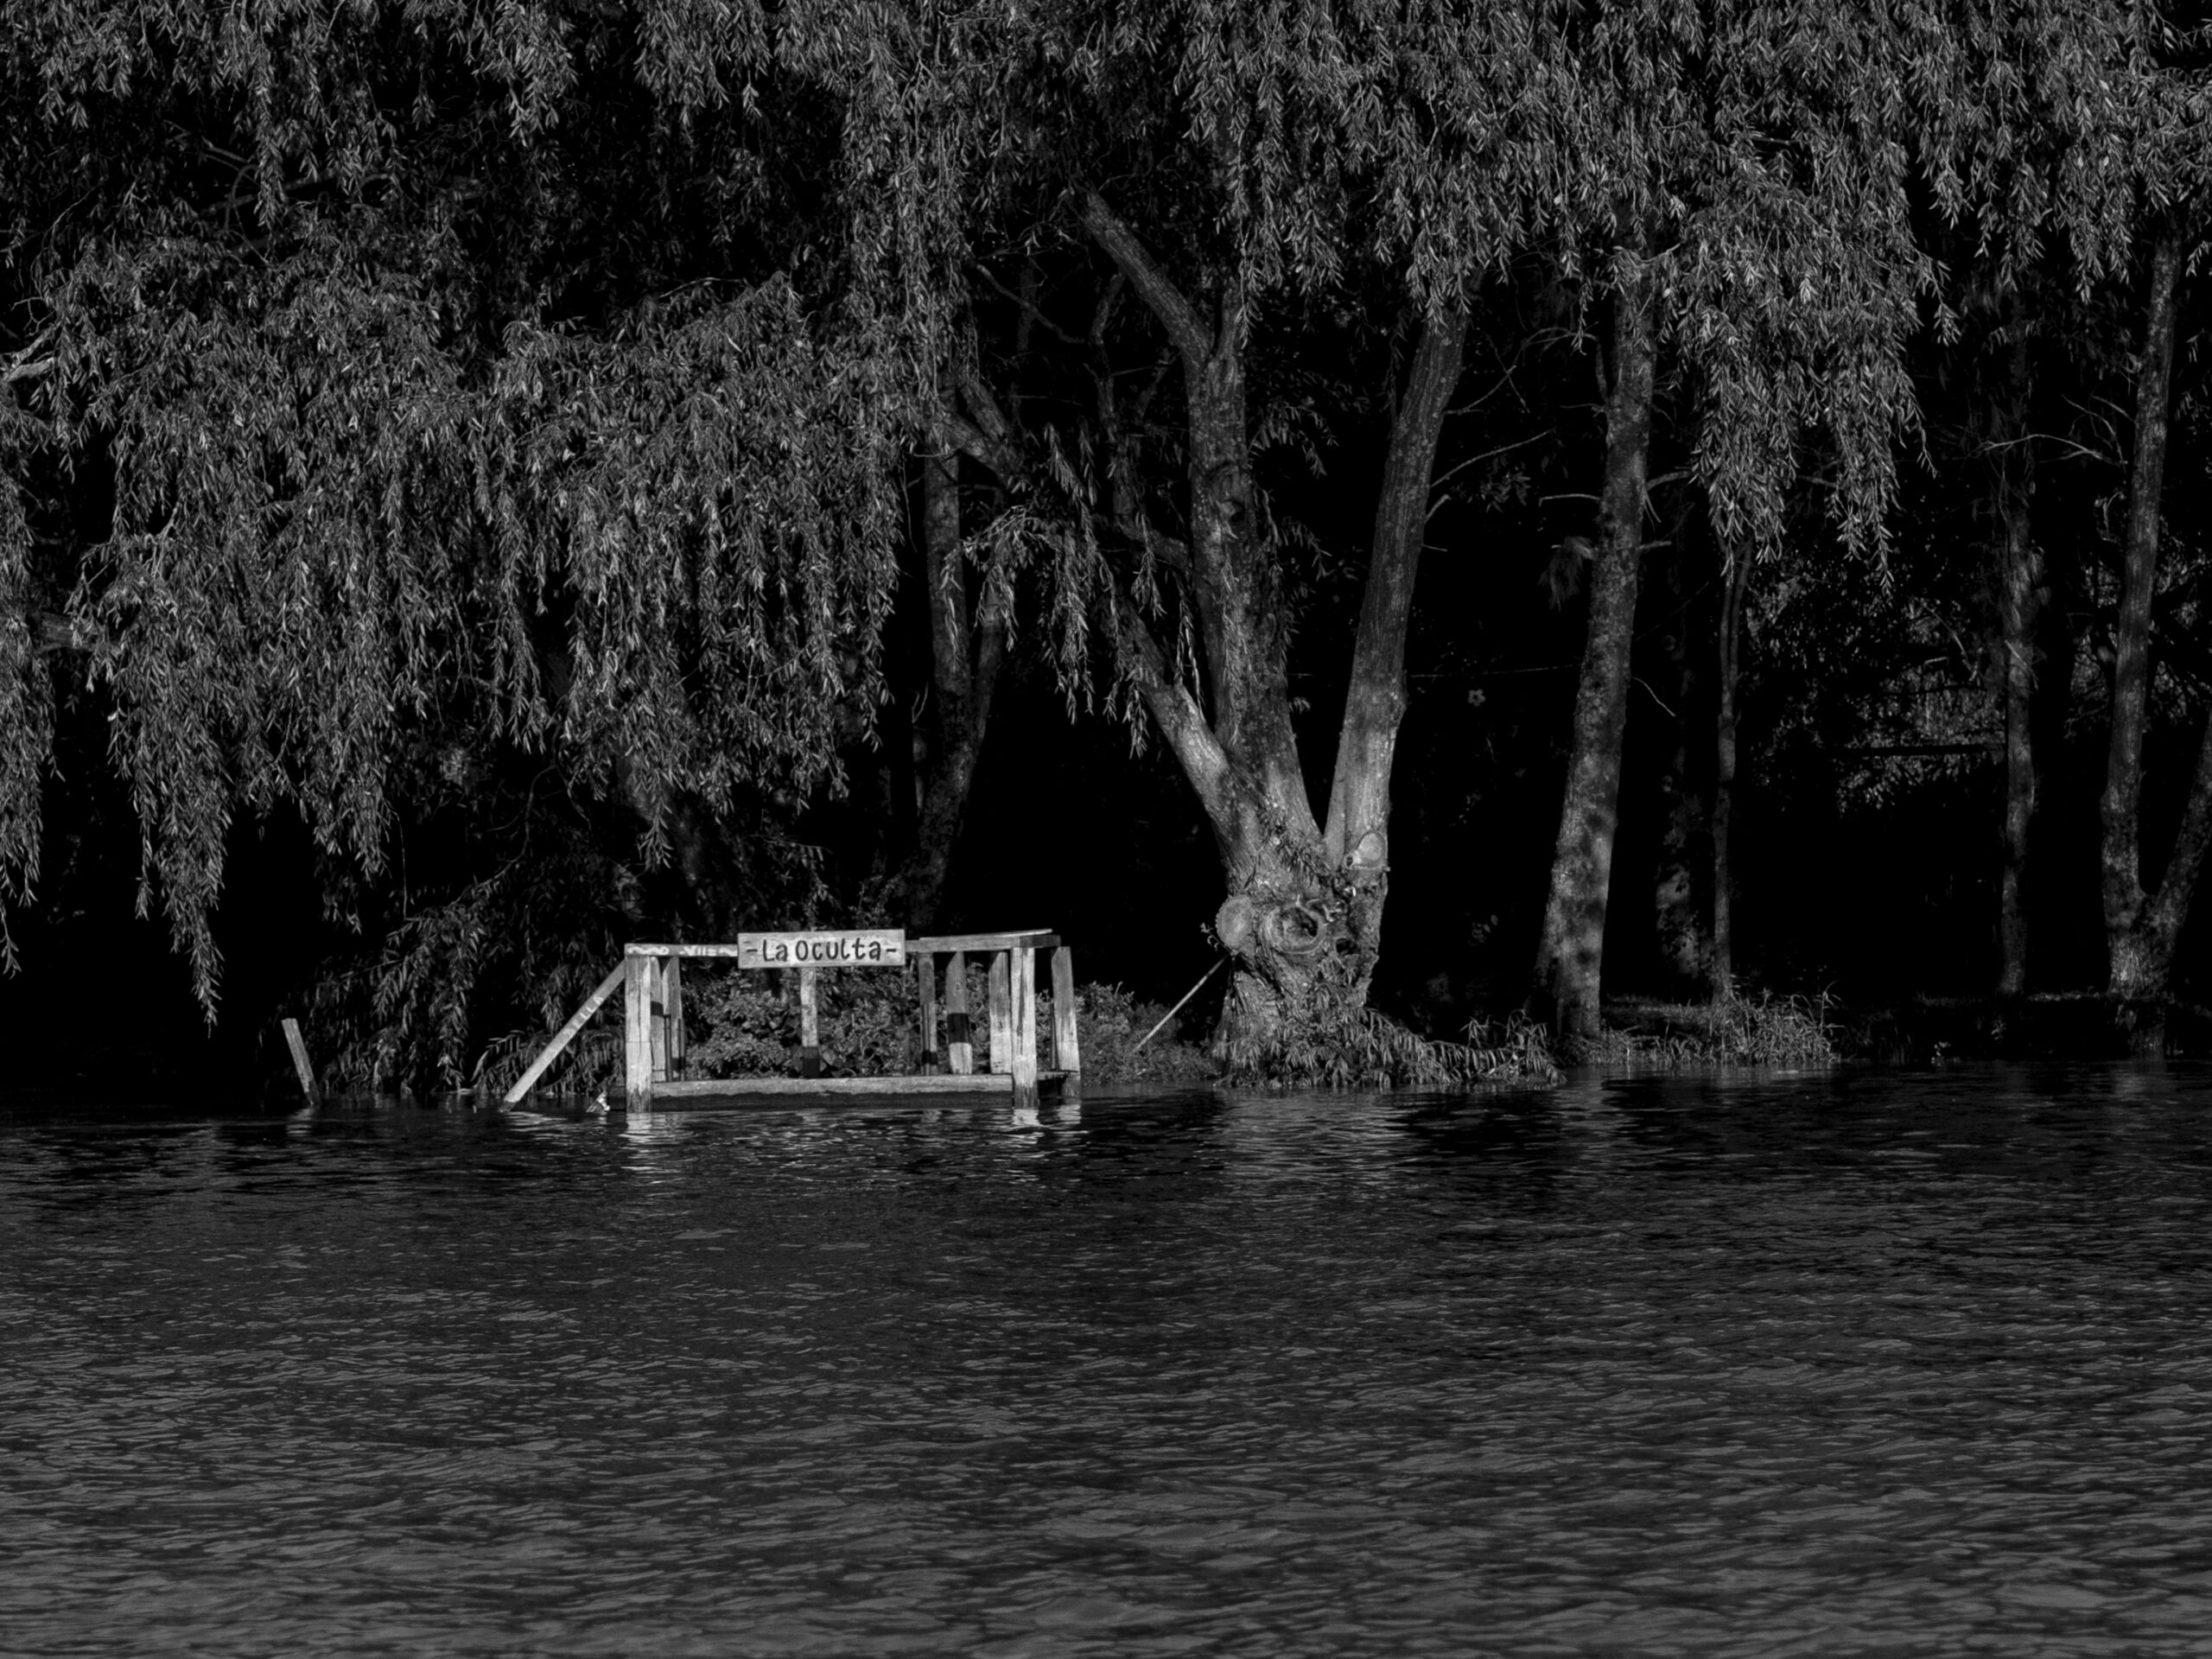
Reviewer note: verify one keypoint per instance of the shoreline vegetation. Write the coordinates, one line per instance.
(746, 1026)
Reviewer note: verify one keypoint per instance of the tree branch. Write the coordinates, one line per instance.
(1181, 720)
(1029, 307)
(1153, 286)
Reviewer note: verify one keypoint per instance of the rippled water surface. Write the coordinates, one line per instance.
(1866, 1364)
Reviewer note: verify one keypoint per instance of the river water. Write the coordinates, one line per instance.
(1865, 1363)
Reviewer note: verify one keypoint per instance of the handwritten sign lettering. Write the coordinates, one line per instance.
(881, 947)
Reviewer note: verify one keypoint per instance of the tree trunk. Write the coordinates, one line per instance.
(2139, 934)
(1357, 843)
(1303, 913)
(1735, 578)
(964, 667)
(2019, 607)
(1683, 935)
(1570, 956)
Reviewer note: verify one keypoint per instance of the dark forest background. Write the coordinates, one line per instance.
(395, 623)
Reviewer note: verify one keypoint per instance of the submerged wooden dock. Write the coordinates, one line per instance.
(650, 982)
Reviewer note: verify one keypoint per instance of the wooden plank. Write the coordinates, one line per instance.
(1024, 1012)
(942, 1083)
(809, 1025)
(925, 974)
(671, 996)
(566, 1034)
(298, 1045)
(959, 1041)
(878, 947)
(656, 1023)
(637, 1040)
(1034, 939)
(1001, 992)
(1066, 1055)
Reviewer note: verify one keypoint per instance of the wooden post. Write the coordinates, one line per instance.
(1066, 1055)
(810, 1032)
(297, 1044)
(1023, 1017)
(657, 1024)
(959, 1043)
(1002, 1012)
(637, 1033)
(566, 1035)
(926, 966)
(672, 999)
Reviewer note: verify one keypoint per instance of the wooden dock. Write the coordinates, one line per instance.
(651, 981)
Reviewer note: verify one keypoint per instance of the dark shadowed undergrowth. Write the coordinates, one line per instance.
(1360, 1048)
(1739, 1029)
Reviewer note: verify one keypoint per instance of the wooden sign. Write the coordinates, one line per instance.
(881, 947)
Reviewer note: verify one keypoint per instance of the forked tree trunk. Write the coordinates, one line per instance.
(2140, 928)
(1303, 913)
(1735, 579)
(964, 658)
(2019, 606)
(1570, 956)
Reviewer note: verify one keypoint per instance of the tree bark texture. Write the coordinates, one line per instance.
(2140, 930)
(1571, 953)
(1735, 579)
(1303, 912)
(1356, 839)
(2019, 606)
(964, 658)
(1680, 922)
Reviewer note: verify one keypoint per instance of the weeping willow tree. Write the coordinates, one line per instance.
(1722, 189)
(437, 384)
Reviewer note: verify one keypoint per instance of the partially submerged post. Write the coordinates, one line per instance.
(297, 1044)
(651, 979)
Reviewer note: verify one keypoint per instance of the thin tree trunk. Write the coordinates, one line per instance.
(2019, 606)
(1684, 943)
(2139, 956)
(1356, 840)
(1571, 954)
(964, 665)
(1735, 579)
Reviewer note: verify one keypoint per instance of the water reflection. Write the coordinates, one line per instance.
(1705, 1366)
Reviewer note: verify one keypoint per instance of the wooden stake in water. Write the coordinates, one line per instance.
(1022, 1019)
(1000, 983)
(1065, 1055)
(298, 1045)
